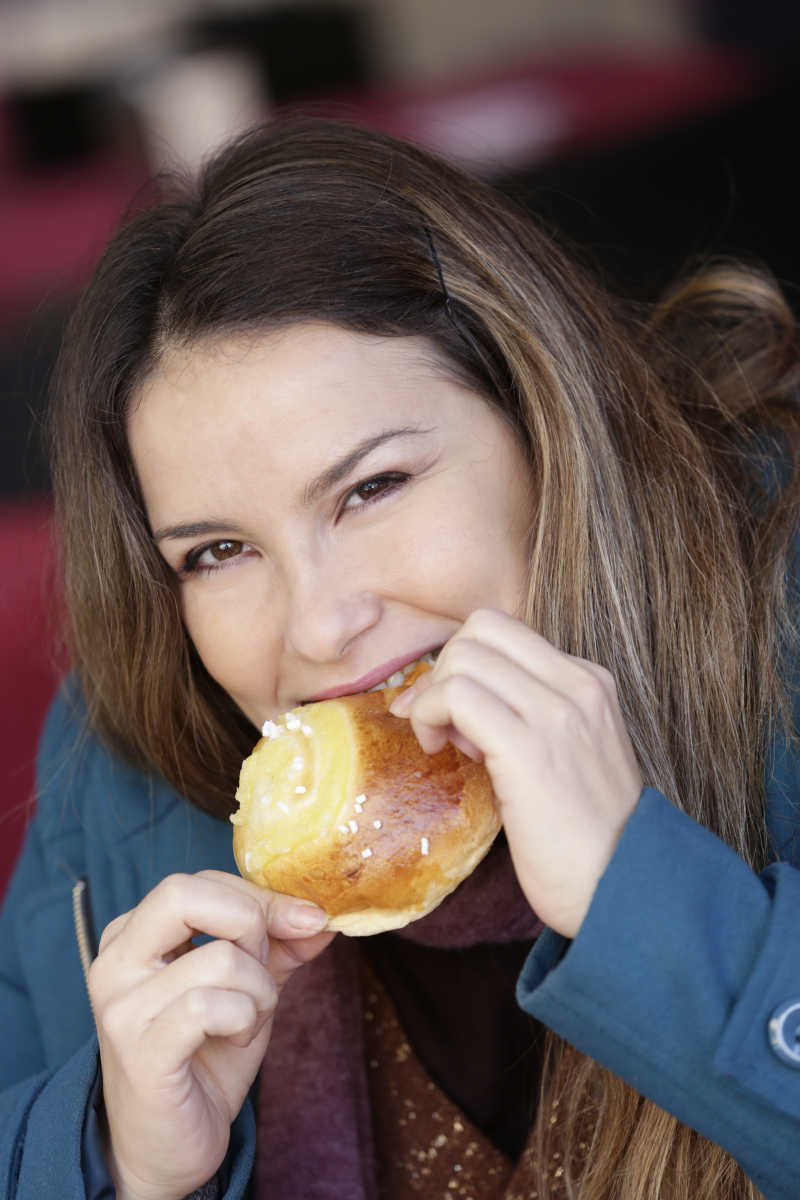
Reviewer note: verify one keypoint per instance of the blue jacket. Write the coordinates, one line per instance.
(682, 963)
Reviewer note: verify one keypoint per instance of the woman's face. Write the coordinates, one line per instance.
(332, 504)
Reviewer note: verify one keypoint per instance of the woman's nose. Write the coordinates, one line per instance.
(328, 609)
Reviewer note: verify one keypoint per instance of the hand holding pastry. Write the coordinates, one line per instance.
(550, 732)
(183, 1028)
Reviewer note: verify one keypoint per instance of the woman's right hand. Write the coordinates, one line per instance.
(183, 1028)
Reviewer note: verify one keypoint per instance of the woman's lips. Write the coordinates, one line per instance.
(375, 677)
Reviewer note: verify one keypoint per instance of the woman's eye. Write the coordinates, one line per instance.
(374, 488)
(210, 558)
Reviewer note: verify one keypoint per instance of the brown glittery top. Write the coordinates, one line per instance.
(425, 1145)
(457, 1008)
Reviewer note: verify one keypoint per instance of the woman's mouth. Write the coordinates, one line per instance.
(397, 677)
(372, 682)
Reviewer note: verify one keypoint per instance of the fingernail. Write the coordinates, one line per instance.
(307, 918)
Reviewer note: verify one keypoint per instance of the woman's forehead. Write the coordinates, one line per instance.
(292, 377)
(308, 347)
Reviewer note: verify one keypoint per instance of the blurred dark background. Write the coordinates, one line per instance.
(648, 139)
(649, 132)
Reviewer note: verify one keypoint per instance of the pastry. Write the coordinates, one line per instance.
(338, 804)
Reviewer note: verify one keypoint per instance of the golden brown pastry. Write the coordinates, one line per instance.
(339, 805)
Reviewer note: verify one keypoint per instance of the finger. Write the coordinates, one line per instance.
(116, 928)
(181, 1029)
(286, 956)
(181, 906)
(296, 927)
(576, 687)
(523, 646)
(477, 712)
(402, 701)
(566, 686)
(465, 745)
(493, 646)
(515, 684)
(474, 661)
(113, 930)
(219, 965)
(286, 917)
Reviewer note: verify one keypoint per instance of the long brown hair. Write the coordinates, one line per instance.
(663, 449)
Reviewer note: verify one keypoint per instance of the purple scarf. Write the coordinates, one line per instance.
(314, 1123)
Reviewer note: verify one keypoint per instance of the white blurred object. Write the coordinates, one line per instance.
(45, 42)
(194, 102)
(492, 126)
(430, 40)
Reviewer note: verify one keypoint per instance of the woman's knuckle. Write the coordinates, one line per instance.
(173, 886)
(481, 621)
(112, 1022)
(564, 712)
(111, 932)
(606, 680)
(458, 653)
(454, 685)
(256, 918)
(225, 957)
(198, 1005)
(171, 892)
(194, 1005)
(591, 691)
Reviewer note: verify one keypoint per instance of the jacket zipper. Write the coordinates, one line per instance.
(84, 926)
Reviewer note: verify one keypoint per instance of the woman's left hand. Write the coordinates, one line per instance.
(549, 728)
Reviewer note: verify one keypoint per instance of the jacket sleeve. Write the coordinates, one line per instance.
(42, 1104)
(44, 1151)
(675, 982)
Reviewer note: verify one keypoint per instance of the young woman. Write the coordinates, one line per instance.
(333, 406)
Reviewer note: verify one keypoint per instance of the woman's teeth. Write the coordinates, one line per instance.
(397, 678)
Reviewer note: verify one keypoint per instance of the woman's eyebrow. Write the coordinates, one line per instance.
(193, 529)
(343, 466)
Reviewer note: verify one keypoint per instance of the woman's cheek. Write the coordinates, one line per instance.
(236, 650)
(452, 576)
(467, 548)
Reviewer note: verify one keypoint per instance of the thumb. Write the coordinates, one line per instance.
(286, 955)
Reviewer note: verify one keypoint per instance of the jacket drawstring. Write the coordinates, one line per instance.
(84, 926)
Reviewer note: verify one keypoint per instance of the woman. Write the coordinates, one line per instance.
(338, 405)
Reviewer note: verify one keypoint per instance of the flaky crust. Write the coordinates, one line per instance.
(388, 834)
